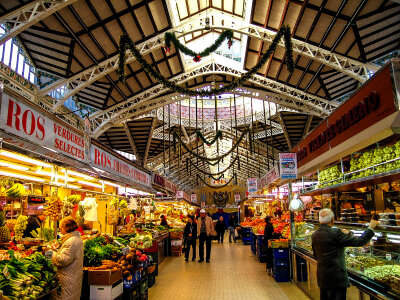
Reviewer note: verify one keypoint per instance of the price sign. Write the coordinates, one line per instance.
(388, 256)
(125, 251)
(6, 273)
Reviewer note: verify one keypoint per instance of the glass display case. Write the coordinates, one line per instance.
(373, 269)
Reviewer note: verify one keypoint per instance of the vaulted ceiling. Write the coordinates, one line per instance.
(75, 41)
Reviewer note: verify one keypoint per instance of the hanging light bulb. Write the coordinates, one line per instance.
(207, 24)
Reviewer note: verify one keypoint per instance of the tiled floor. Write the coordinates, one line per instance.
(234, 273)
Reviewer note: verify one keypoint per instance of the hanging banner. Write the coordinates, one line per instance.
(182, 195)
(252, 185)
(288, 165)
(193, 198)
(25, 120)
(269, 178)
(221, 181)
(170, 186)
(237, 197)
(158, 180)
(106, 161)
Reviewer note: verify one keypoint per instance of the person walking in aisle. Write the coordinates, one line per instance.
(190, 234)
(268, 235)
(328, 245)
(205, 230)
(232, 229)
(220, 227)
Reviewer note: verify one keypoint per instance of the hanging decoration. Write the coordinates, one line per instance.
(199, 135)
(171, 38)
(218, 173)
(218, 178)
(126, 43)
(204, 158)
(220, 198)
(217, 187)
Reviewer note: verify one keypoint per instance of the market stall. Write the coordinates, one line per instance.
(353, 159)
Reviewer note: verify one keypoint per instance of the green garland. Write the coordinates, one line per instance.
(125, 43)
(216, 187)
(170, 37)
(213, 174)
(215, 158)
(220, 176)
(199, 135)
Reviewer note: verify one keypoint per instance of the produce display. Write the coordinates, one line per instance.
(326, 176)
(98, 249)
(27, 278)
(74, 199)
(53, 208)
(360, 263)
(17, 190)
(388, 275)
(4, 231)
(67, 208)
(46, 233)
(141, 241)
(20, 226)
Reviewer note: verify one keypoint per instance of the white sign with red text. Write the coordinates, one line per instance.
(108, 162)
(23, 120)
(288, 165)
(193, 198)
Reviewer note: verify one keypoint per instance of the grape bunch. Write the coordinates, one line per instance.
(329, 176)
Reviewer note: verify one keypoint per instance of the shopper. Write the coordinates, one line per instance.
(34, 222)
(220, 227)
(328, 246)
(205, 231)
(268, 235)
(232, 229)
(190, 238)
(163, 221)
(69, 261)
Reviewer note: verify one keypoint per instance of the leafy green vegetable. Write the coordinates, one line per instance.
(96, 250)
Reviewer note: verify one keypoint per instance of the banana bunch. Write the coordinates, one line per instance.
(16, 191)
(74, 199)
(20, 226)
(123, 204)
(5, 182)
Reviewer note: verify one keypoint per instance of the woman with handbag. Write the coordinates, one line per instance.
(190, 235)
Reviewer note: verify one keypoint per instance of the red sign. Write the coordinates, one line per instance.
(158, 180)
(26, 121)
(371, 103)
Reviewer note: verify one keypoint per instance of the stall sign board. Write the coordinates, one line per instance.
(106, 161)
(252, 185)
(31, 123)
(179, 194)
(36, 199)
(288, 165)
(102, 198)
(371, 103)
(193, 198)
(158, 180)
(221, 181)
(269, 178)
(170, 186)
(237, 197)
(182, 195)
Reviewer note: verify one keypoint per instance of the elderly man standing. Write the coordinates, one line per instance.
(328, 246)
(205, 228)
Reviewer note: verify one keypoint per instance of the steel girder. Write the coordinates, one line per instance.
(221, 21)
(140, 103)
(20, 19)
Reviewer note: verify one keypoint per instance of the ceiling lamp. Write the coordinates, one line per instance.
(19, 176)
(13, 166)
(24, 159)
(296, 204)
(90, 184)
(207, 24)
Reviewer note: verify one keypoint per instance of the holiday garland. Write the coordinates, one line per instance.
(126, 43)
(218, 173)
(199, 135)
(220, 176)
(215, 158)
(170, 37)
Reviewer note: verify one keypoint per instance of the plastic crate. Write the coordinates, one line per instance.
(143, 286)
(282, 243)
(132, 294)
(151, 281)
(246, 240)
(282, 277)
(281, 253)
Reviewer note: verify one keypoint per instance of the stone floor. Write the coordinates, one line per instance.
(234, 273)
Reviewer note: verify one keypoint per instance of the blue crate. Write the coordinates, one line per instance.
(281, 253)
(282, 277)
(246, 240)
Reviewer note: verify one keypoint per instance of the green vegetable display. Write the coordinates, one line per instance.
(28, 278)
(46, 233)
(141, 241)
(96, 250)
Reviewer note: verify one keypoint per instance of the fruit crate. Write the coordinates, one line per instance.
(154, 256)
(253, 242)
(282, 243)
(176, 235)
(132, 293)
(143, 285)
(145, 295)
(246, 231)
(246, 240)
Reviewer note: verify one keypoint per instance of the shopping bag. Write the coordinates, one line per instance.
(236, 233)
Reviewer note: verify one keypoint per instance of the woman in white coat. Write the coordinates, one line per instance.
(69, 261)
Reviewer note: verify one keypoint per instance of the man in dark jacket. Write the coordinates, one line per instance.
(190, 234)
(328, 246)
(220, 227)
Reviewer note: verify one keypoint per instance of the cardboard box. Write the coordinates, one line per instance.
(106, 292)
(176, 242)
(103, 277)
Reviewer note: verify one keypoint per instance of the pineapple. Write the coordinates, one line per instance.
(4, 231)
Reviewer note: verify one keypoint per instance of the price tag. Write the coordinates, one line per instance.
(6, 272)
(48, 254)
(125, 251)
(388, 256)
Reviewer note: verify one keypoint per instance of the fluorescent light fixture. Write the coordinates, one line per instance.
(77, 174)
(21, 176)
(90, 184)
(25, 159)
(72, 186)
(14, 166)
(41, 172)
(111, 184)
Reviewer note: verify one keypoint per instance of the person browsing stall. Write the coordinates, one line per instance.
(328, 246)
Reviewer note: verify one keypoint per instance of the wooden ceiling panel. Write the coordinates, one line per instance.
(254, 44)
(102, 8)
(345, 42)
(292, 14)
(175, 65)
(131, 28)
(276, 13)
(68, 17)
(315, 2)
(144, 21)
(164, 69)
(350, 7)
(260, 11)
(283, 75)
(337, 29)
(133, 85)
(143, 79)
(273, 69)
(371, 6)
(115, 31)
(84, 12)
(305, 23)
(251, 60)
(88, 41)
(158, 13)
(54, 24)
(295, 77)
(354, 52)
(117, 96)
(314, 87)
(119, 5)
(333, 5)
(306, 80)
(320, 28)
(82, 57)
